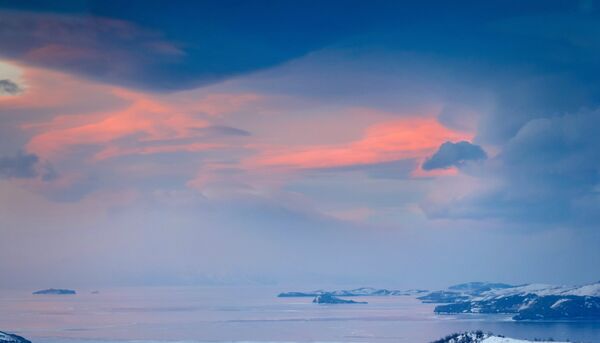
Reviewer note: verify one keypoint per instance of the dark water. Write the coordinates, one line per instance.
(228, 314)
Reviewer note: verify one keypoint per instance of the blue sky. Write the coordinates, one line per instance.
(281, 142)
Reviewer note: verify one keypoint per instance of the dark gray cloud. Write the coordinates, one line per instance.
(9, 87)
(454, 155)
(19, 166)
(26, 166)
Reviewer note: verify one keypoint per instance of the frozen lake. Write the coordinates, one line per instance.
(225, 314)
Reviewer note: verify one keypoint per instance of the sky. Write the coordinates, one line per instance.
(370, 143)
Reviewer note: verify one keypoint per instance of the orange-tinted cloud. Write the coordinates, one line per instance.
(411, 137)
(136, 123)
(143, 119)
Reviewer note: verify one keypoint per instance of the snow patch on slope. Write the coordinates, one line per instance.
(590, 290)
(6, 338)
(495, 339)
(480, 337)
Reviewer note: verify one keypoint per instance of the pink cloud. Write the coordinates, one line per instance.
(411, 137)
(140, 123)
(147, 119)
(101, 122)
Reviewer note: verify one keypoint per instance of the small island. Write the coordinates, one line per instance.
(332, 299)
(55, 291)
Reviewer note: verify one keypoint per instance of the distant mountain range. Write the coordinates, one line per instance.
(55, 291)
(479, 287)
(332, 297)
(358, 292)
(525, 302)
(10, 338)
(462, 292)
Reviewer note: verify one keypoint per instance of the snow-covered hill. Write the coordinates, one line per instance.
(463, 292)
(527, 302)
(496, 339)
(9, 338)
(480, 337)
(589, 290)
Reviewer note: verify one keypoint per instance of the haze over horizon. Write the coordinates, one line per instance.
(266, 143)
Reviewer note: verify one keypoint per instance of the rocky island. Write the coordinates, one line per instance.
(55, 291)
(332, 299)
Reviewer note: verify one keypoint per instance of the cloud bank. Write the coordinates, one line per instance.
(287, 151)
